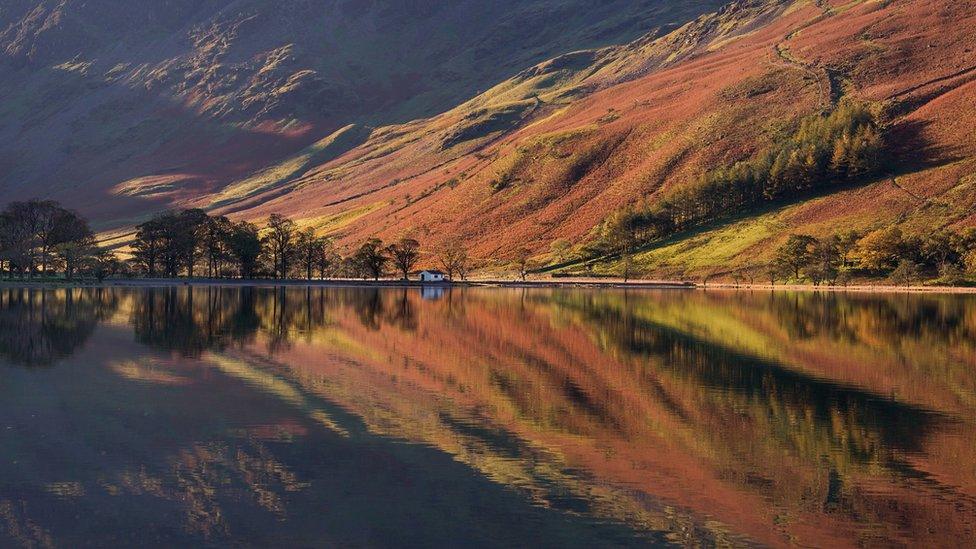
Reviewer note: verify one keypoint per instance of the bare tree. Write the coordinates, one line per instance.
(453, 258)
(327, 259)
(309, 249)
(405, 253)
(280, 243)
(463, 265)
(522, 262)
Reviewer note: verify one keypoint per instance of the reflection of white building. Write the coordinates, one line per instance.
(432, 276)
(432, 293)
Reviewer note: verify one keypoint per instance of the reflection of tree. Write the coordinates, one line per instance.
(368, 305)
(278, 320)
(402, 312)
(939, 320)
(374, 306)
(191, 320)
(39, 327)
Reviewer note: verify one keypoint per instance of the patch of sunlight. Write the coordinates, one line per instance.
(65, 489)
(342, 342)
(151, 185)
(275, 386)
(715, 325)
(146, 370)
(331, 223)
(80, 67)
(320, 152)
(117, 71)
(721, 246)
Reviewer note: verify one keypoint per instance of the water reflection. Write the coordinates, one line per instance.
(39, 327)
(586, 417)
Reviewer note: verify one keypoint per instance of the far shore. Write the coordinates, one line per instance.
(595, 283)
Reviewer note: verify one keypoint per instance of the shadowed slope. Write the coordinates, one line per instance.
(182, 97)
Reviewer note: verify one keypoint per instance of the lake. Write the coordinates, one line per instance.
(485, 417)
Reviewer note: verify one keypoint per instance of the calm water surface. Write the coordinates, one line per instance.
(363, 417)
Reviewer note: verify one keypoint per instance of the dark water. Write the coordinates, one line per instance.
(358, 417)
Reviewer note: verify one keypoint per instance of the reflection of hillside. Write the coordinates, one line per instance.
(916, 347)
(566, 400)
(851, 432)
(39, 327)
(932, 370)
(706, 416)
(839, 417)
(698, 417)
(523, 406)
(235, 454)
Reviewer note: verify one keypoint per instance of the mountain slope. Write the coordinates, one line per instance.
(553, 149)
(124, 108)
(551, 152)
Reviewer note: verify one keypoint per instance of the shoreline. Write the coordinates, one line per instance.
(392, 283)
(854, 288)
(489, 283)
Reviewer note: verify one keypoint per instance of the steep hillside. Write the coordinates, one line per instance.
(550, 153)
(547, 153)
(124, 108)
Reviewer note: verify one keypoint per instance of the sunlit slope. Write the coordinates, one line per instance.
(550, 153)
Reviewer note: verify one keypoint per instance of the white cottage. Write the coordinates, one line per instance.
(432, 276)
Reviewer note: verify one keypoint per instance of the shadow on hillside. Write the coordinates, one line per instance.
(912, 150)
(82, 136)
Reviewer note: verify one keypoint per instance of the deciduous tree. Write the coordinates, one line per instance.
(404, 253)
(370, 259)
(308, 248)
(880, 250)
(796, 253)
(280, 243)
(453, 258)
(244, 248)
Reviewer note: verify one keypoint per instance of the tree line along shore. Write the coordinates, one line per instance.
(40, 240)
